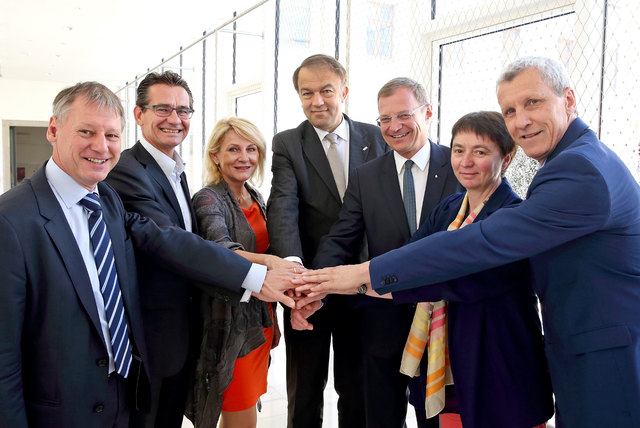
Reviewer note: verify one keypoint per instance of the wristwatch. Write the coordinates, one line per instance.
(362, 289)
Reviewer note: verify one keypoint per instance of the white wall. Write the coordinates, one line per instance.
(22, 103)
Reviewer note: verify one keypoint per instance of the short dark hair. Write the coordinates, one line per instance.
(94, 92)
(317, 61)
(393, 85)
(488, 124)
(168, 78)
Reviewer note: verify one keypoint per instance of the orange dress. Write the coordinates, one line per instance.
(250, 372)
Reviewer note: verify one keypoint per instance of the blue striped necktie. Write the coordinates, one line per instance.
(109, 286)
(409, 196)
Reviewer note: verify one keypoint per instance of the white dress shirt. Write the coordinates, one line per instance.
(172, 168)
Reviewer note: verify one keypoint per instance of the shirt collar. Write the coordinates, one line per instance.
(167, 165)
(342, 131)
(69, 191)
(421, 158)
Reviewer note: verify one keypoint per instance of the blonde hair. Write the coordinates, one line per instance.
(246, 130)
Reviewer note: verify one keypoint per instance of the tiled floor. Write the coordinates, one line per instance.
(274, 402)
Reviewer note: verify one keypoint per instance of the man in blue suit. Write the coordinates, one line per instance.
(59, 367)
(580, 228)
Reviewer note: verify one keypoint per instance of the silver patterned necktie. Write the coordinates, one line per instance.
(336, 164)
(109, 285)
(409, 196)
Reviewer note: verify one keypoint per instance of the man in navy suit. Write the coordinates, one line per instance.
(580, 228)
(374, 207)
(150, 180)
(57, 364)
(306, 196)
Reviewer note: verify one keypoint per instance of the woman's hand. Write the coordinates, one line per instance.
(275, 262)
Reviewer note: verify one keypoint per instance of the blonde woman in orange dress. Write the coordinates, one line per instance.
(231, 372)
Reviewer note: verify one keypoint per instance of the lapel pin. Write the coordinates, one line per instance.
(436, 176)
(365, 148)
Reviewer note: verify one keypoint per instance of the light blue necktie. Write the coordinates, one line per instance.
(409, 196)
(109, 286)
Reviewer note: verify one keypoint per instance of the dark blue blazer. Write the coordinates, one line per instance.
(495, 337)
(53, 369)
(580, 227)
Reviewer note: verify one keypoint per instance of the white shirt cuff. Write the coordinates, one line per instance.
(253, 281)
(294, 259)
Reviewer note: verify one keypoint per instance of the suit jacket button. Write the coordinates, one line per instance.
(99, 408)
(102, 362)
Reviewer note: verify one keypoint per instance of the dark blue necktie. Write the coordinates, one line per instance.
(109, 286)
(409, 196)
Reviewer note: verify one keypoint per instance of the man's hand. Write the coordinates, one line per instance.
(275, 284)
(299, 316)
(337, 280)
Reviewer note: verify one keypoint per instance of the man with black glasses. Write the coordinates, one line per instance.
(150, 180)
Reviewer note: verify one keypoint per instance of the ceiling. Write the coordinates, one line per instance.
(109, 41)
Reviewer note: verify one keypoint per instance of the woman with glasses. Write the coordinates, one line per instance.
(231, 371)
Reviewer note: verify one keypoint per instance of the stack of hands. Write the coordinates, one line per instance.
(303, 289)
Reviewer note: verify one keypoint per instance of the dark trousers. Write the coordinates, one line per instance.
(119, 384)
(168, 401)
(384, 329)
(308, 365)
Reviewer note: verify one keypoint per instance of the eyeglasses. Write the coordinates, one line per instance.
(162, 110)
(402, 117)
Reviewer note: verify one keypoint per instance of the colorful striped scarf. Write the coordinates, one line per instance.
(429, 331)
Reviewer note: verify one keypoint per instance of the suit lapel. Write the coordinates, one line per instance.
(314, 151)
(62, 237)
(439, 170)
(389, 186)
(154, 170)
(185, 189)
(358, 147)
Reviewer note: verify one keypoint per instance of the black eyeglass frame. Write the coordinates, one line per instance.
(181, 112)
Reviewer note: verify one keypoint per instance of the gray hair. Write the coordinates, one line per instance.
(393, 85)
(95, 93)
(551, 72)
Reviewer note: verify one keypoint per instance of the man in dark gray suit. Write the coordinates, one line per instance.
(311, 167)
(419, 172)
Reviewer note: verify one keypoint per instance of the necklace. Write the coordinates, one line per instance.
(240, 198)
